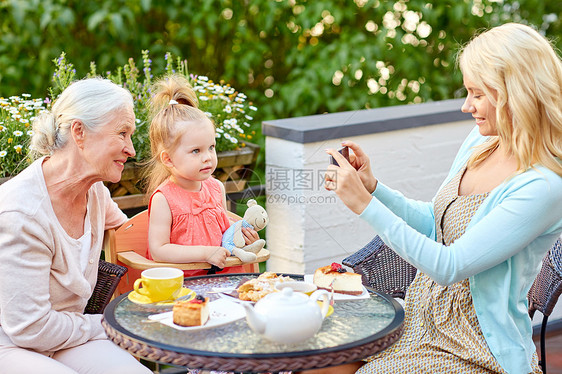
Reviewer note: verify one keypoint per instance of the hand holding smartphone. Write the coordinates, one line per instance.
(344, 152)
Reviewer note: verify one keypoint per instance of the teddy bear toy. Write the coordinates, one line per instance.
(255, 218)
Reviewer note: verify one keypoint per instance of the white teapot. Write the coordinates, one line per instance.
(288, 317)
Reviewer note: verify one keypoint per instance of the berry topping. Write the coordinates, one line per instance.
(335, 266)
(199, 299)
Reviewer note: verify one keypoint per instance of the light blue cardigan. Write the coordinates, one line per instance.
(500, 252)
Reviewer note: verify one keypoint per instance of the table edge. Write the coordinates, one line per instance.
(152, 350)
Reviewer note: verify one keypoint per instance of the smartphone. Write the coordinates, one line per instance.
(344, 152)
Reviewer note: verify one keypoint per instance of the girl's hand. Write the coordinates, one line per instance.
(217, 256)
(346, 181)
(250, 235)
(360, 161)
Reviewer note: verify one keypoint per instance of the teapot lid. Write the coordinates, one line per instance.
(287, 296)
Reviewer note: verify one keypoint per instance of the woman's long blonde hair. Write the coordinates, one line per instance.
(519, 67)
(172, 105)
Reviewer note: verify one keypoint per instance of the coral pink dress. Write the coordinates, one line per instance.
(198, 218)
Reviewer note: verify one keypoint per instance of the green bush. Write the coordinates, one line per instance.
(228, 108)
(293, 58)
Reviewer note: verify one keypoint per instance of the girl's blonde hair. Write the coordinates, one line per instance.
(521, 75)
(173, 104)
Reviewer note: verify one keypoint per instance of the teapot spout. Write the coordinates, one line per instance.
(255, 320)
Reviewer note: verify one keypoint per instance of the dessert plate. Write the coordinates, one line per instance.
(221, 312)
(137, 298)
(340, 296)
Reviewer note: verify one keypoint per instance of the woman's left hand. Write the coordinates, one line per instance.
(250, 235)
(345, 181)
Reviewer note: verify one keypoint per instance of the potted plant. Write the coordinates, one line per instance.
(229, 109)
(16, 116)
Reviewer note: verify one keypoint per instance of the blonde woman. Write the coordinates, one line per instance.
(479, 244)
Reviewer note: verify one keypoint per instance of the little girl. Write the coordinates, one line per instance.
(187, 207)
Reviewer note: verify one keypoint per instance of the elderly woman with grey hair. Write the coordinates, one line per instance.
(52, 219)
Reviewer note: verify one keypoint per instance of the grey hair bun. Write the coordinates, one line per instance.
(46, 137)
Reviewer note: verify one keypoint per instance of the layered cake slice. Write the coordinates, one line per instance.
(339, 278)
(194, 312)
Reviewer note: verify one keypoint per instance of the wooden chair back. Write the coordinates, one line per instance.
(128, 246)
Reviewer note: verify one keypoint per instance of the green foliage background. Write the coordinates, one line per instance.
(292, 58)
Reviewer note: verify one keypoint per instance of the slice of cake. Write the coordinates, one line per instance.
(194, 312)
(339, 278)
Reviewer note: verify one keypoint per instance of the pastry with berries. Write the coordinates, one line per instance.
(194, 312)
(339, 278)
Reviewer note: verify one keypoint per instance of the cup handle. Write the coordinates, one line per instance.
(325, 296)
(137, 287)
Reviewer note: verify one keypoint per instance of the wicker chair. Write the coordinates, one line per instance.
(381, 268)
(109, 276)
(546, 290)
(385, 271)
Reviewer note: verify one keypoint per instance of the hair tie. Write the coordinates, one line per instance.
(172, 102)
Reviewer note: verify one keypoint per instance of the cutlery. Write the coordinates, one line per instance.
(332, 292)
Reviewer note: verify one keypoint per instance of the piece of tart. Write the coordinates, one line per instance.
(194, 312)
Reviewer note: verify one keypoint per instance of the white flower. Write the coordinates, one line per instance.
(228, 109)
(210, 115)
(18, 133)
(248, 117)
(253, 108)
(30, 132)
(3, 153)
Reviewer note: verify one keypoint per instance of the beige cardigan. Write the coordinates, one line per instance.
(43, 291)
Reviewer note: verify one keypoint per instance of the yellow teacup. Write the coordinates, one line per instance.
(160, 284)
(304, 287)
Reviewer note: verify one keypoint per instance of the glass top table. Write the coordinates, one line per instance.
(355, 330)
